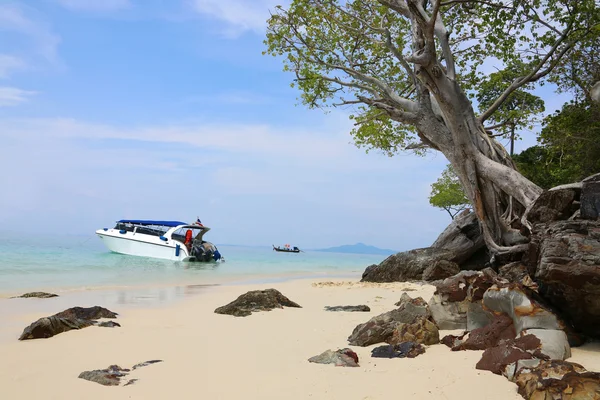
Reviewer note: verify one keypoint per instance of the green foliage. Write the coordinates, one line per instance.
(447, 193)
(568, 150)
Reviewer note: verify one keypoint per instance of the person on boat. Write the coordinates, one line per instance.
(188, 240)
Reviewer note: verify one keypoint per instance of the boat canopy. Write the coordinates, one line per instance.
(170, 224)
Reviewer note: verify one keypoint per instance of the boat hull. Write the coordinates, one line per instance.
(143, 245)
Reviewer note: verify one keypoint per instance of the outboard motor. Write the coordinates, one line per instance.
(205, 252)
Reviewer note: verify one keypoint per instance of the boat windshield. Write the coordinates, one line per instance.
(153, 230)
(197, 233)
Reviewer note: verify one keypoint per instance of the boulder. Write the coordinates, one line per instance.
(419, 330)
(496, 359)
(72, 318)
(553, 342)
(590, 197)
(552, 205)
(340, 358)
(256, 300)
(440, 269)
(406, 266)
(452, 303)
(400, 350)
(564, 259)
(501, 328)
(39, 295)
(361, 308)
(555, 379)
(381, 328)
(462, 237)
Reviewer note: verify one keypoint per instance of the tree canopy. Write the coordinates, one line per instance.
(447, 193)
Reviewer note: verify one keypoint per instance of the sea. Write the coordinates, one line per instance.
(74, 263)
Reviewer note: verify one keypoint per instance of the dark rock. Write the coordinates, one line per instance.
(453, 340)
(341, 358)
(49, 326)
(514, 272)
(555, 379)
(256, 300)
(440, 269)
(463, 238)
(564, 259)
(146, 363)
(72, 318)
(39, 295)
(361, 308)
(109, 324)
(553, 343)
(552, 205)
(419, 330)
(501, 328)
(406, 266)
(496, 359)
(107, 377)
(400, 350)
(590, 198)
(381, 328)
(87, 313)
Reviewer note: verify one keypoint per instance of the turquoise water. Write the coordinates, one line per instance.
(82, 262)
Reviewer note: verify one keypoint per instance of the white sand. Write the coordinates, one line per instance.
(263, 356)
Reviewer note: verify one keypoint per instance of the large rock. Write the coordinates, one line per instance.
(456, 303)
(406, 266)
(381, 328)
(439, 270)
(340, 358)
(462, 237)
(256, 300)
(555, 379)
(590, 198)
(72, 318)
(501, 328)
(39, 295)
(552, 205)
(564, 259)
(419, 330)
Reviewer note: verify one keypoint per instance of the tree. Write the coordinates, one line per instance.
(407, 66)
(447, 193)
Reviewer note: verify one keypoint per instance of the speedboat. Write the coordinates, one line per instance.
(170, 240)
(286, 249)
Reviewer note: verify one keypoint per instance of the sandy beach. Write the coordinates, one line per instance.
(263, 356)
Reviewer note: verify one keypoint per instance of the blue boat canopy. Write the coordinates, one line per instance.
(170, 224)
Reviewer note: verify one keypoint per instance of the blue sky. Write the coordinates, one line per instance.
(160, 109)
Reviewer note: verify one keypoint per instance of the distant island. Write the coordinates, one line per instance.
(358, 248)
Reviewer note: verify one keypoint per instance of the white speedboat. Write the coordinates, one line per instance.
(170, 240)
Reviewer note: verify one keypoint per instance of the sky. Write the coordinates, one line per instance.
(156, 109)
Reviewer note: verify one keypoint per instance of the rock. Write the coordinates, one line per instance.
(564, 259)
(511, 369)
(39, 295)
(361, 308)
(341, 358)
(526, 313)
(400, 350)
(556, 379)
(256, 300)
(453, 340)
(107, 377)
(462, 237)
(514, 272)
(145, 363)
(440, 269)
(87, 313)
(49, 326)
(496, 359)
(109, 324)
(590, 198)
(72, 318)
(501, 328)
(406, 266)
(380, 328)
(451, 302)
(420, 330)
(552, 205)
(112, 375)
(553, 342)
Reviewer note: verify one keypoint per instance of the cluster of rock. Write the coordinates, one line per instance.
(524, 310)
(113, 375)
(69, 319)
(39, 295)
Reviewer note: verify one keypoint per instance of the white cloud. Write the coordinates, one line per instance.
(8, 64)
(238, 15)
(24, 20)
(10, 96)
(95, 5)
